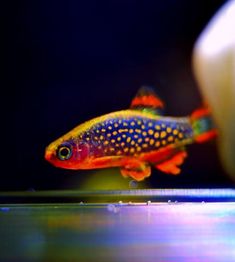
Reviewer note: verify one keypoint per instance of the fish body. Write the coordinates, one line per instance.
(133, 139)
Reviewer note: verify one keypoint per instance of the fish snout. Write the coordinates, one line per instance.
(48, 154)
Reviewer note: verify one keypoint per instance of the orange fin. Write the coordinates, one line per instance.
(200, 112)
(147, 99)
(203, 126)
(137, 172)
(206, 136)
(171, 166)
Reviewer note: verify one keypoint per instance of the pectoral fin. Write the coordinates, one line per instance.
(138, 171)
(171, 166)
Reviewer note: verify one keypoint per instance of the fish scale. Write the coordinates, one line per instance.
(134, 136)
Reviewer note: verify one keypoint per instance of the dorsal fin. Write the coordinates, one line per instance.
(147, 100)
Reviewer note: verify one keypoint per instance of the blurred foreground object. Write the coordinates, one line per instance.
(214, 68)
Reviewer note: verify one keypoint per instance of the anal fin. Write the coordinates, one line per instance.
(171, 166)
(137, 172)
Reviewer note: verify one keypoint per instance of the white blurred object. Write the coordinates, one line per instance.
(214, 68)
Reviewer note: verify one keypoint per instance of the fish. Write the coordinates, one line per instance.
(135, 139)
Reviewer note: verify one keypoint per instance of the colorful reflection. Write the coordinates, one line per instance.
(118, 232)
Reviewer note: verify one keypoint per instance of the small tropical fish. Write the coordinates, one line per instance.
(133, 139)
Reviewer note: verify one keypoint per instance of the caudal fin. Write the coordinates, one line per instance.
(203, 126)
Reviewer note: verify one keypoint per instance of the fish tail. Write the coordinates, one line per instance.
(203, 126)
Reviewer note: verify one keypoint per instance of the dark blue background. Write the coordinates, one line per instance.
(68, 61)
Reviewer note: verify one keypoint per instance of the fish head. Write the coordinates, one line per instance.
(68, 154)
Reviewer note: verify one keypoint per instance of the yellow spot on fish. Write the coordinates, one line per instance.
(96, 138)
(124, 135)
(151, 142)
(138, 149)
(122, 144)
(138, 131)
(117, 145)
(108, 135)
(157, 144)
(157, 127)
(139, 140)
(109, 127)
(170, 138)
(150, 124)
(146, 139)
(144, 133)
(143, 126)
(139, 122)
(123, 130)
(128, 140)
(145, 145)
(114, 133)
(163, 126)
(175, 132)
(116, 125)
(112, 149)
(150, 132)
(156, 135)
(87, 138)
(163, 134)
(132, 142)
(168, 130)
(119, 138)
(126, 149)
(101, 137)
(125, 124)
(106, 142)
(97, 131)
(163, 142)
(135, 136)
(180, 135)
(119, 121)
(131, 131)
(132, 123)
(103, 130)
(119, 152)
(112, 141)
(132, 150)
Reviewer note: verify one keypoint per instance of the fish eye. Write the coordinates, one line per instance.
(64, 152)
